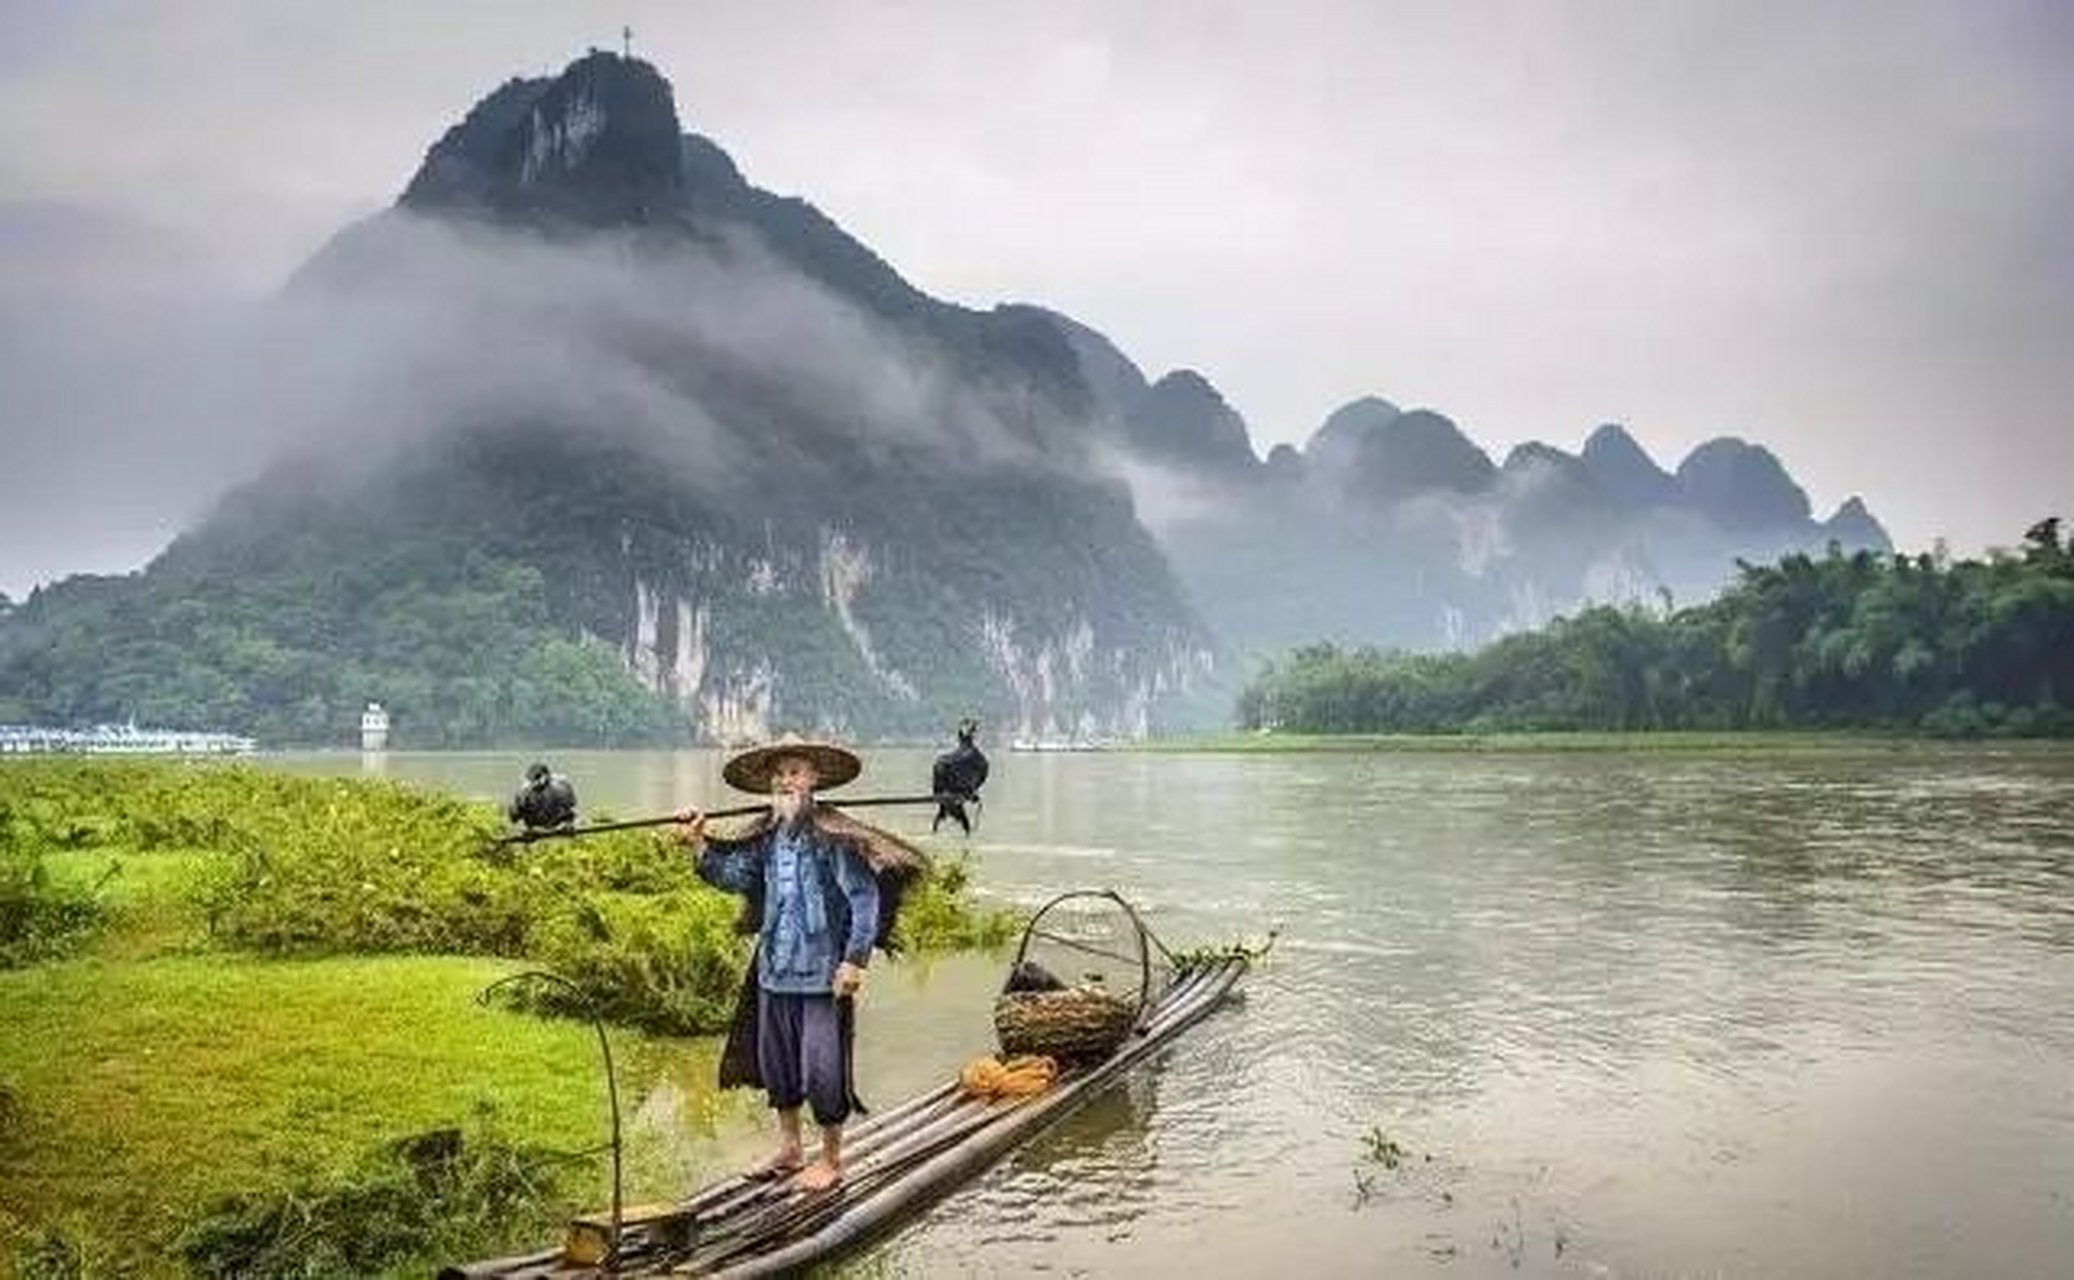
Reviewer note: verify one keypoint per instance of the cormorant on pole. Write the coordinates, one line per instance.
(957, 777)
(626, 42)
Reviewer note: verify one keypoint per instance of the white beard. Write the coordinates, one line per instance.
(787, 806)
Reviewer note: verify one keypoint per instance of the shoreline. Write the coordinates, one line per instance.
(1769, 741)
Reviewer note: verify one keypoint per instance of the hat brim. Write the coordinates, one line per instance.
(751, 770)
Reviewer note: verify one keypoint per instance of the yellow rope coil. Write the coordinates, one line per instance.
(1019, 1077)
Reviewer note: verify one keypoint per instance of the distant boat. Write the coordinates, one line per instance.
(119, 739)
(1059, 744)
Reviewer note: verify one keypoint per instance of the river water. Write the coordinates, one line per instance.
(1764, 1013)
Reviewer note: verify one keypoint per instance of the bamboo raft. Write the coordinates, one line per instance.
(898, 1162)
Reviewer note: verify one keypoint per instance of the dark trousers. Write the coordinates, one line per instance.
(800, 1051)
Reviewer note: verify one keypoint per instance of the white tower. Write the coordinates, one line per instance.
(374, 728)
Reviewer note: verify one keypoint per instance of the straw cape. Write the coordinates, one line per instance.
(751, 770)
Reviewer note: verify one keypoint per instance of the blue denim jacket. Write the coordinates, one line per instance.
(820, 903)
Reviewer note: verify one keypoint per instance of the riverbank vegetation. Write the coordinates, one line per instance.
(458, 647)
(1908, 644)
(243, 1027)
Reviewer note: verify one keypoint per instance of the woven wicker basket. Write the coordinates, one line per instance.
(1078, 1022)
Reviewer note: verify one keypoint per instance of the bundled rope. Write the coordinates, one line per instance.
(1020, 1077)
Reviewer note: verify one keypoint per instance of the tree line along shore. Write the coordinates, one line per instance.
(1913, 645)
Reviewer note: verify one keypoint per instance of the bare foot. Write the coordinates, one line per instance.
(818, 1176)
(787, 1162)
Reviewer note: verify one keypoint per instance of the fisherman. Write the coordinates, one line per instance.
(547, 800)
(819, 888)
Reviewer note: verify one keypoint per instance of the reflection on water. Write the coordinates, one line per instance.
(1731, 1013)
(1094, 1173)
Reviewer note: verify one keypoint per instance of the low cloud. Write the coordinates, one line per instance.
(140, 391)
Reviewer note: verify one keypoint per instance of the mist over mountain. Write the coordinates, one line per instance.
(1392, 527)
(585, 375)
(589, 439)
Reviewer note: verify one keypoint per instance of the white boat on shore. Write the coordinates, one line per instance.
(119, 739)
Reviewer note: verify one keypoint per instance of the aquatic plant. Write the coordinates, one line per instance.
(1187, 958)
(1380, 1148)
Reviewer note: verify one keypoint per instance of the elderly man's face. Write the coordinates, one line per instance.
(795, 774)
(793, 779)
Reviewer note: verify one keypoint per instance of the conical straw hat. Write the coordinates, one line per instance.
(751, 770)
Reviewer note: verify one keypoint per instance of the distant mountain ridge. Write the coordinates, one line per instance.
(1391, 526)
(1624, 472)
(737, 475)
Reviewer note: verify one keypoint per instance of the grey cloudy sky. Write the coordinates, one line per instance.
(1845, 230)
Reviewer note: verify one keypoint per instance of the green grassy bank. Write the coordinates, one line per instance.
(240, 1032)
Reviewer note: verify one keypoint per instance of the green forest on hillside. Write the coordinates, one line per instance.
(483, 589)
(1912, 643)
(462, 654)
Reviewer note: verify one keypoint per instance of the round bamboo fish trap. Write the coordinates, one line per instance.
(1078, 1022)
(1097, 937)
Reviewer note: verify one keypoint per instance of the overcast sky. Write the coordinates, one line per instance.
(1842, 230)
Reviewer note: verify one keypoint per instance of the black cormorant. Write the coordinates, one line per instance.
(547, 800)
(957, 778)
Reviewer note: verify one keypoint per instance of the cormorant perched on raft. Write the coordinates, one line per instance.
(546, 801)
(957, 778)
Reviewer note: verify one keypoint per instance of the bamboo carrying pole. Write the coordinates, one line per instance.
(735, 811)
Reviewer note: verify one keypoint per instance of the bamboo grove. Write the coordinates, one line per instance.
(1893, 643)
